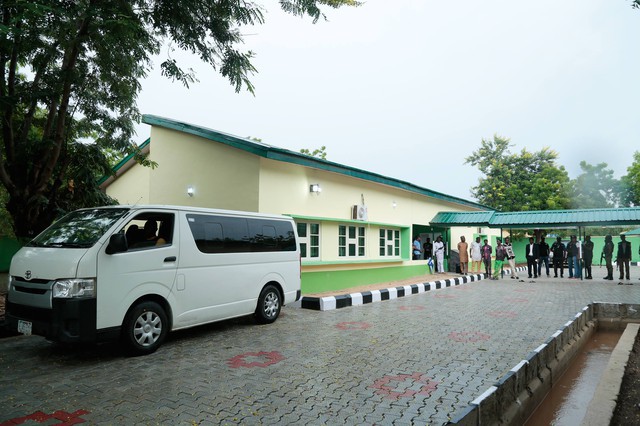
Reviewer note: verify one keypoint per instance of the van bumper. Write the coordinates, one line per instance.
(69, 320)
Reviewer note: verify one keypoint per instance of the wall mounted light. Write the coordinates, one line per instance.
(394, 204)
(315, 188)
(190, 191)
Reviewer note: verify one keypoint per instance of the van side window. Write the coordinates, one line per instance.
(228, 234)
(149, 229)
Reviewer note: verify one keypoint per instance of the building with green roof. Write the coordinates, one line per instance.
(356, 227)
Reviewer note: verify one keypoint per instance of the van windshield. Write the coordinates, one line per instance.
(79, 229)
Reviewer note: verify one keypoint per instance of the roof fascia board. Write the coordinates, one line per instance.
(284, 155)
(123, 165)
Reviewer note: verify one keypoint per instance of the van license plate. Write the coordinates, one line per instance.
(24, 327)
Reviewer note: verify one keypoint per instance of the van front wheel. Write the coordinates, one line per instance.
(269, 304)
(145, 328)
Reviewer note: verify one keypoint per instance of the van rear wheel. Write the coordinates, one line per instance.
(145, 328)
(269, 304)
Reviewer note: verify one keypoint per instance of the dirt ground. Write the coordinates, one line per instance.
(627, 409)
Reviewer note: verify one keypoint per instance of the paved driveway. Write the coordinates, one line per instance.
(419, 359)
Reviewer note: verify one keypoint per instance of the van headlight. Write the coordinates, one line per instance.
(76, 287)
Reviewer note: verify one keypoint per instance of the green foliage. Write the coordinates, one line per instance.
(318, 153)
(523, 181)
(595, 187)
(630, 183)
(71, 70)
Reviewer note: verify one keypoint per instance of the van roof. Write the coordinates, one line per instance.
(189, 209)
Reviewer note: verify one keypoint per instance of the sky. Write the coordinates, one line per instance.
(408, 89)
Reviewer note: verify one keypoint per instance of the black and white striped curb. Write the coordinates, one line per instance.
(328, 303)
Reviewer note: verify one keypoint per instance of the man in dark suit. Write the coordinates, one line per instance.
(532, 253)
(624, 256)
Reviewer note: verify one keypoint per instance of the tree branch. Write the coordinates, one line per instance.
(68, 65)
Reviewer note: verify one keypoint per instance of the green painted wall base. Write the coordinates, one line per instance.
(321, 281)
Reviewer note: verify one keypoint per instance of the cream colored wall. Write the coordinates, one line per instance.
(132, 187)
(284, 188)
(222, 177)
(469, 233)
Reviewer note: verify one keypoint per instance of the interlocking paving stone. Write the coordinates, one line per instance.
(328, 373)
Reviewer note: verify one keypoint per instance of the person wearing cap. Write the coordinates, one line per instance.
(587, 255)
(607, 253)
(511, 258)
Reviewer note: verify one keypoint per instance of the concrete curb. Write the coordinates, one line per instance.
(517, 394)
(603, 403)
(328, 303)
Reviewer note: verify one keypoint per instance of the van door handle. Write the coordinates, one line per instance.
(170, 259)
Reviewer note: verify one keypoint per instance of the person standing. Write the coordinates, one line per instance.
(511, 258)
(559, 254)
(428, 248)
(574, 257)
(487, 250)
(543, 248)
(476, 255)
(417, 248)
(500, 255)
(587, 255)
(464, 258)
(607, 253)
(532, 252)
(438, 250)
(624, 256)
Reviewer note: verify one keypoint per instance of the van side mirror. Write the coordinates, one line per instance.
(117, 244)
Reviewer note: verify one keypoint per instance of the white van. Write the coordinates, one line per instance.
(136, 272)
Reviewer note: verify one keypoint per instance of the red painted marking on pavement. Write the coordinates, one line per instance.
(400, 386)
(503, 314)
(67, 419)
(353, 325)
(468, 336)
(516, 300)
(445, 296)
(265, 359)
(412, 308)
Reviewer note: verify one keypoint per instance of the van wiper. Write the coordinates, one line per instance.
(70, 245)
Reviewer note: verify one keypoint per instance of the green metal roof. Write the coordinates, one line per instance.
(632, 232)
(541, 218)
(122, 162)
(279, 154)
(463, 218)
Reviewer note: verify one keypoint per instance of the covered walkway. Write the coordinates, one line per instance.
(541, 219)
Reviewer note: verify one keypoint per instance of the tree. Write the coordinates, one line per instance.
(630, 183)
(71, 69)
(518, 182)
(595, 187)
(319, 153)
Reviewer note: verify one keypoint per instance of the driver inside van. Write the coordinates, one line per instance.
(150, 230)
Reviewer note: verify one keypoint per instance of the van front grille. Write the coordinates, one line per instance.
(16, 279)
(29, 290)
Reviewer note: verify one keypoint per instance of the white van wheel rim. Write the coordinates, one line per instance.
(147, 328)
(271, 305)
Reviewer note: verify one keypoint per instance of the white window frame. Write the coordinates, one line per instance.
(307, 241)
(358, 241)
(389, 247)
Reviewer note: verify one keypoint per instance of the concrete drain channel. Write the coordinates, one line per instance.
(516, 395)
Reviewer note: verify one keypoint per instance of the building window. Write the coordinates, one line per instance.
(309, 239)
(351, 241)
(389, 242)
